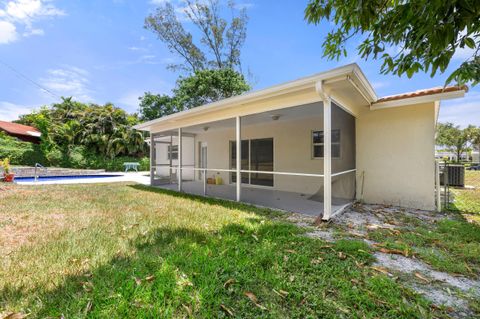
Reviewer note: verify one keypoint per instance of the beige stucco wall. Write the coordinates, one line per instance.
(292, 150)
(395, 154)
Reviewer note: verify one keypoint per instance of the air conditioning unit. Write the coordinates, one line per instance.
(455, 175)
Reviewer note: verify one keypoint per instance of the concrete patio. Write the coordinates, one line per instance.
(259, 196)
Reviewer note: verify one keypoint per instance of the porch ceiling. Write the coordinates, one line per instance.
(283, 115)
(347, 85)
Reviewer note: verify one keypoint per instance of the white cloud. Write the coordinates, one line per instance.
(68, 81)
(380, 84)
(22, 14)
(31, 9)
(158, 2)
(462, 111)
(8, 32)
(134, 48)
(463, 53)
(130, 101)
(33, 32)
(244, 5)
(10, 111)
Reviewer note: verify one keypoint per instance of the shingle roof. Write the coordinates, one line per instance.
(19, 129)
(424, 92)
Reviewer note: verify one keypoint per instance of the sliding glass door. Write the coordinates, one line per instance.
(257, 155)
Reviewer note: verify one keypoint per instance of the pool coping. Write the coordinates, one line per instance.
(123, 177)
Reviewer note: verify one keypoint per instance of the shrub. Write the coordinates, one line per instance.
(20, 153)
(24, 153)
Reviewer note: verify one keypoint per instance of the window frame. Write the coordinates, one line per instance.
(313, 144)
(173, 150)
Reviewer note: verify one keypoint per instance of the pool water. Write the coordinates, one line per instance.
(65, 177)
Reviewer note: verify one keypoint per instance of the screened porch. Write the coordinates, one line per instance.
(282, 159)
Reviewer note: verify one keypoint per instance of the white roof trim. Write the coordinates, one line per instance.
(418, 100)
(275, 90)
(32, 133)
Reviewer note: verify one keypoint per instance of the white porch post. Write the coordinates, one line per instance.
(239, 157)
(179, 170)
(437, 186)
(327, 158)
(152, 159)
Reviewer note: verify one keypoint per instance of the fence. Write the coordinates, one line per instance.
(455, 180)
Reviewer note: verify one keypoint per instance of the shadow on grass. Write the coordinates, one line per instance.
(181, 273)
(270, 212)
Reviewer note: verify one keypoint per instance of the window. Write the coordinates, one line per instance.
(318, 144)
(173, 150)
(257, 155)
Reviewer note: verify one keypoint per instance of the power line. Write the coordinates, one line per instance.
(26, 78)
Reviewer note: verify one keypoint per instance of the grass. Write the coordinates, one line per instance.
(467, 201)
(115, 251)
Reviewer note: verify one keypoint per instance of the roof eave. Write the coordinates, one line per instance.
(269, 92)
(419, 100)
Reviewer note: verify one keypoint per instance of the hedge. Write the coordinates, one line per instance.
(24, 153)
(21, 153)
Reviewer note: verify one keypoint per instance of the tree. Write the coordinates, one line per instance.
(153, 106)
(475, 138)
(99, 130)
(220, 40)
(454, 138)
(202, 87)
(425, 33)
(208, 86)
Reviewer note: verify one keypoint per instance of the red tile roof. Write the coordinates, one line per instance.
(424, 92)
(19, 129)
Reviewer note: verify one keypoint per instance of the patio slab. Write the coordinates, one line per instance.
(261, 196)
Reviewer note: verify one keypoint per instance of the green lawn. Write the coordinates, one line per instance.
(129, 251)
(468, 200)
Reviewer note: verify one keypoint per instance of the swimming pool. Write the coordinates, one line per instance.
(61, 178)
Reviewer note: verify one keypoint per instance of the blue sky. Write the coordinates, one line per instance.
(98, 51)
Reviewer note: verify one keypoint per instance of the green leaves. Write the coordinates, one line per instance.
(455, 138)
(425, 33)
(203, 87)
(220, 41)
(70, 129)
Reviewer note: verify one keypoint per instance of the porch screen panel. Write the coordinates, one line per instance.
(244, 164)
(343, 154)
(261, 159)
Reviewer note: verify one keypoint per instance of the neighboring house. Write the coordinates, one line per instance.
(312, 145)
(452, 156)
(22, 132)
(476, 157)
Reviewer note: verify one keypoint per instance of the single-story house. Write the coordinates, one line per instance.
(313, 145)
(452, 156)
(476, 157)
(22, 132)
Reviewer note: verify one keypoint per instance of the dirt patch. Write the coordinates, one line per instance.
(439, 287)
(325, 234)
(22, 229)
(410, 266)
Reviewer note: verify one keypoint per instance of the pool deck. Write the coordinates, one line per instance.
(125, 177)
